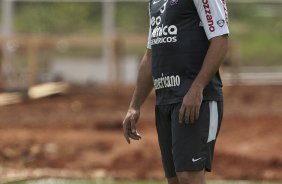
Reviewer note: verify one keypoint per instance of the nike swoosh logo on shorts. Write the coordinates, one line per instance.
(195, 160)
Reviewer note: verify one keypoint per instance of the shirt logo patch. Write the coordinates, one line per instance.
(173, 2)
(221, 23)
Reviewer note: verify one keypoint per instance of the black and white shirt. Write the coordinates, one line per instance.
(179, 36)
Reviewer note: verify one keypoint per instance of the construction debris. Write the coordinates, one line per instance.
(47, 89)
(34, 92)
(10, 98)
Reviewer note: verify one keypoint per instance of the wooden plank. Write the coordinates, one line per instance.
(47, 89)
(10, 98)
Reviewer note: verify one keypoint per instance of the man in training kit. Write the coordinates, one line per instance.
(187, 43)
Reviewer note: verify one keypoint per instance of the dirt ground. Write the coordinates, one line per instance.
(79, 135)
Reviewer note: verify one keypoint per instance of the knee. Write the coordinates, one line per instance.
(191, 177)
(185, 178)
(173, 180)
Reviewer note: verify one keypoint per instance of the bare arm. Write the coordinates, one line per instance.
(190, 108)
(144, 82)
(143, 88)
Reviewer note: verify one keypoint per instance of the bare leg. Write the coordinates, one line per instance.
(172, 180)
(191, 177)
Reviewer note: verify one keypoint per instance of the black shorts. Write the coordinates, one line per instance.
(188, 147)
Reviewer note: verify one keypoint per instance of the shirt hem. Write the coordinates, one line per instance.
(179, 100)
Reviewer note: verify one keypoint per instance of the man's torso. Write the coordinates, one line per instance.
(179, 45)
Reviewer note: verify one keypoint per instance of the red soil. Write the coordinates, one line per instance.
(80, 134)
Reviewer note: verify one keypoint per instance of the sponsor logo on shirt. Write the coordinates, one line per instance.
(162, 33)
(208, 15)
(201, 24)
(166, 81)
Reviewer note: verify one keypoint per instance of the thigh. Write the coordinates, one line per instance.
(193, 144)
(163, 125)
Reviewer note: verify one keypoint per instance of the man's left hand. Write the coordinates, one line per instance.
(190, 108)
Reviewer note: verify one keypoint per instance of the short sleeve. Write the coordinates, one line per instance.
(150, 32)
(149, 38)
(214, 17)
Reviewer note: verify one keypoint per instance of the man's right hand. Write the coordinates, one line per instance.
(129, 125)
(144, 86)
